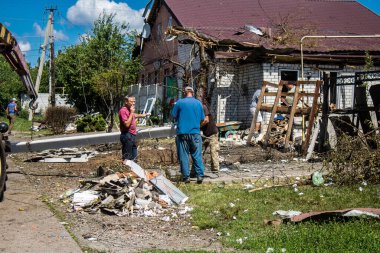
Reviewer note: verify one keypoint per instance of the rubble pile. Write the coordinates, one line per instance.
(121, 194)
(277, 133)
(64, 155)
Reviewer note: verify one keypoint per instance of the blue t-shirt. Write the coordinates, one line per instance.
(11, 108)
(188, 112)
(255, 98)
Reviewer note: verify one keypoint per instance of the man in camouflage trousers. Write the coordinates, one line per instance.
(210, 131)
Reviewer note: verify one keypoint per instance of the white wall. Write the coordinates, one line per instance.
(142, 93)
(43, 102)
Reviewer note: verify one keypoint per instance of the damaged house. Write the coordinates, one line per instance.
(227, 49)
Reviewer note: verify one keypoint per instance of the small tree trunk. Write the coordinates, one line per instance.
(202, 84)
(112, 111)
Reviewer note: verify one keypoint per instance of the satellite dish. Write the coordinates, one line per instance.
(254, 30)
(145, 31)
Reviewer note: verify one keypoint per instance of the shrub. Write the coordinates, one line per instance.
(24, 114)
(90, 123)
(58, 117)
(354, 161)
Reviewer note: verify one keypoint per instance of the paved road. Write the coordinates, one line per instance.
(26, 224)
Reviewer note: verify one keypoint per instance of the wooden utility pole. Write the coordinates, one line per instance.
(42, 59)
(52, 70)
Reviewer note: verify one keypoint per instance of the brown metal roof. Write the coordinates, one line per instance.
(284, 22)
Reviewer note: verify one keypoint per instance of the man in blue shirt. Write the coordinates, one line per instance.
(11, 113)
(188, 113)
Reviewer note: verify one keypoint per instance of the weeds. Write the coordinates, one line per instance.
(353, 161)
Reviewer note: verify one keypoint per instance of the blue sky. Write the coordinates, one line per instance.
(27, 19)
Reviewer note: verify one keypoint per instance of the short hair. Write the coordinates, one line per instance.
(126, 98)
(189, 89)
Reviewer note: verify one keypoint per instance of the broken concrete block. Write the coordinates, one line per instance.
(81, 199)
(109, 178)
(107, 201)
(164, 185)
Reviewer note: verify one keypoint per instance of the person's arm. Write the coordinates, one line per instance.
(128, 122)
(283, 100)
(143, 115)
(205, 121)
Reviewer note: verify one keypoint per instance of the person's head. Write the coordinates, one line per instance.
(129, 101)
(189, 91)
(14, 100)
(289, 85)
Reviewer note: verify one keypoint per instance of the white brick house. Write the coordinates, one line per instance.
(233, 80)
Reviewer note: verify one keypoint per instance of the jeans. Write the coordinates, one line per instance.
(190, 144)
(128, 146)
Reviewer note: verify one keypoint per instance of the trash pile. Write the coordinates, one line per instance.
(64, 155)
(126, 194)
(277, 134)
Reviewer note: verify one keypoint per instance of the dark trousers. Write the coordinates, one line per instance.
(128, 146)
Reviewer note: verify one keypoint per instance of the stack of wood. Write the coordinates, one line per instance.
(277, 133)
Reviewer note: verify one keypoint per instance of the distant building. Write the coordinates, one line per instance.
(43, 102)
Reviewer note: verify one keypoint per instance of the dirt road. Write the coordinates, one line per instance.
(27, 224)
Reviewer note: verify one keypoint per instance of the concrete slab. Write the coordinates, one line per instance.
(27, 225)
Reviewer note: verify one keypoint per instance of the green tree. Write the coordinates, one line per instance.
(10, 83)
(74, 74)
(97, 72)
(111, 48)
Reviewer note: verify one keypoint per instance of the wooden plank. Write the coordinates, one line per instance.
(313, 113)
(310, 148)
(287, 94)
(274, 110)
(285, 109)
(291, 117)
(258, 108)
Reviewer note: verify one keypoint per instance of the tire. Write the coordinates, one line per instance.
(3, 170)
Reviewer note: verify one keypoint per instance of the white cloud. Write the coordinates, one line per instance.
(85, 12)
(58, 34)
(24, 46)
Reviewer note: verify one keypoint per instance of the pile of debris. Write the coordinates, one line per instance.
(64, 155)
(277, 133)
(136, 192)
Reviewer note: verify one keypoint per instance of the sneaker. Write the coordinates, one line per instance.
(199, 180)
(186, 180)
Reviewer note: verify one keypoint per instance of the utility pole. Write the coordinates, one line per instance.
(42, 60)
(52, 70)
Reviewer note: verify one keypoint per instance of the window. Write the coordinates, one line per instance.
(159, 33)
(156, 76)
(170, 22)
(142, 79)
(289, 75)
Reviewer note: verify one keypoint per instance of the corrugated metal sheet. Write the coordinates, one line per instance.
(225, 20)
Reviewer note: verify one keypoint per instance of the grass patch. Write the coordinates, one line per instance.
(239, 216)
(24, 125)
